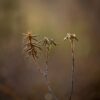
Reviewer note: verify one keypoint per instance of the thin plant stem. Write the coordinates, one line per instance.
(73, 70)
(38, 67)
(46, 76)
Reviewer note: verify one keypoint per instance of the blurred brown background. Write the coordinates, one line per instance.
(53, 18)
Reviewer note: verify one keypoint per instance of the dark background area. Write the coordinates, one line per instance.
(19, 79)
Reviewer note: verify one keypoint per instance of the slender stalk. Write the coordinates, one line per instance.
(73, 69)
(46, 76)
(38, 67)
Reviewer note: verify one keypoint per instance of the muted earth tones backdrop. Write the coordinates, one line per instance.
(19, 79)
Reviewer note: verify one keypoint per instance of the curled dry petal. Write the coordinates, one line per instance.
(71, 37)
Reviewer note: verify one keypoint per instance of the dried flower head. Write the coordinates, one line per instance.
(29, 37)
(31, 45)
(71, 37)
(48, 43)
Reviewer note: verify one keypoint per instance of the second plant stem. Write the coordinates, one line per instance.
(46, 76)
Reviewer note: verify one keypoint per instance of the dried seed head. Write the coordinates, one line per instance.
(31, 45)
(29, 37)
(48, 43)
(71, 37)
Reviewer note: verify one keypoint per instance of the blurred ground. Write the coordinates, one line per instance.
(53, 18)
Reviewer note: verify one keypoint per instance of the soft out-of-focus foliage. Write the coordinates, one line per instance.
(52, 18)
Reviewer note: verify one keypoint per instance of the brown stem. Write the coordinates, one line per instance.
(46, 76)
(73, 70)
(37, 66)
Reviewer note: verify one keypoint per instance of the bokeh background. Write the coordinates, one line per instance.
(19, 79)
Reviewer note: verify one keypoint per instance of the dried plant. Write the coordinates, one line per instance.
(71, 37)
(32, 47)
(48, 44)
